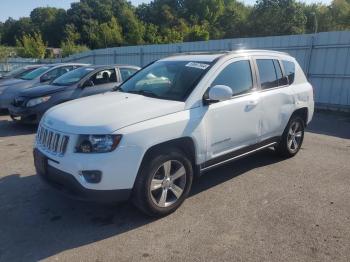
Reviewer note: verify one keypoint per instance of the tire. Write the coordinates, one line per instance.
(292, 137)
(163, 183)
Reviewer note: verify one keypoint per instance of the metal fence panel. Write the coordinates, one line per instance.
(325, 58)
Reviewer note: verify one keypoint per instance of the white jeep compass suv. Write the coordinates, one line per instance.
(174, 119)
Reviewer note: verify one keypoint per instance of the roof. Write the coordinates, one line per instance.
(109, 66)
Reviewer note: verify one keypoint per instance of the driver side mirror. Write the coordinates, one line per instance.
(45, 78)
(88, 83)
(219, 93)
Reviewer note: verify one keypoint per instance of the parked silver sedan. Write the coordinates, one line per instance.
(42, 75)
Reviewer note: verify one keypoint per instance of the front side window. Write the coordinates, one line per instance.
(104, 77)
(172, 80)
(237, 76)
(289, 69)
(36, 73)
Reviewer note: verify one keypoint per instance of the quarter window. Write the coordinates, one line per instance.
(238, 76)
(289, 69)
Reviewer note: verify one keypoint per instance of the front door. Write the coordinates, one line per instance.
(233, 124)
(102, 81)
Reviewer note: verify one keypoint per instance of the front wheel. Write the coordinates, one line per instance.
(163, 183)
(292, 137)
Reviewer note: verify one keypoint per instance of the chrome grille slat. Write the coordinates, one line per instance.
(52, 141)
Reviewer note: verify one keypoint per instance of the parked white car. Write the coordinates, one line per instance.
(174, 119)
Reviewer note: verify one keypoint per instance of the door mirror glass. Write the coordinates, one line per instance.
(88, 83)
(220, 93)
(45, 78)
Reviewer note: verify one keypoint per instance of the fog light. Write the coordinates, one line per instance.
(92, 176)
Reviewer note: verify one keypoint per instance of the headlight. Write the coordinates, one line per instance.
(37, 101)
(97, 143)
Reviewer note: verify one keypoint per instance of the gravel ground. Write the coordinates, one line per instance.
(261, 208)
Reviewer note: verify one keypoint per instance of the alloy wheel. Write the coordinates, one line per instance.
(168, 183)
(295, 136)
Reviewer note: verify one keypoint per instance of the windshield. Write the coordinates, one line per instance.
(14, 72)
(73, 77)
(36, 73)
(173, 80)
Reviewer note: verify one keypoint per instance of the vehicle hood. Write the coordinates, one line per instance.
(43, 90)
(16, 87)
(108, 112)
(10, 81)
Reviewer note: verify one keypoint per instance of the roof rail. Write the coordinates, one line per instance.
(213, 52)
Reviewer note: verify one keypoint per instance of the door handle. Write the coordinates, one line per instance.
(253, 102)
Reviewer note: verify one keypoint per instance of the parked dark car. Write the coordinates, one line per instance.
(17, 73)
(42, 75)
(31, 104)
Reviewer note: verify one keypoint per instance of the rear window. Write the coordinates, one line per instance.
(289, 69)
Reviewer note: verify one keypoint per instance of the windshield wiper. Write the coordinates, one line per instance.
(144, 93)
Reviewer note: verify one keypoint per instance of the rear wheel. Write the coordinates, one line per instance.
(292, 137)
(163, 184)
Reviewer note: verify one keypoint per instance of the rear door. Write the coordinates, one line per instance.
(102, 81)
(276, 97)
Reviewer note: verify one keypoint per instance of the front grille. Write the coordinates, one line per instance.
(19, 101)
(52, 141)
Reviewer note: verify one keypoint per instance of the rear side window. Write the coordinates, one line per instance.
(289, 69)
(270, 73)
(126, 72)
(237, 75)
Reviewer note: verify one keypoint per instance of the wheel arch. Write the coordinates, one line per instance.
(303, 113)
(184, 144)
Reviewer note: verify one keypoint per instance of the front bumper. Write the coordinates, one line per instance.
(68, 184)
(5, 100)
(25, 114)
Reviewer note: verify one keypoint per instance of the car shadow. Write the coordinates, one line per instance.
(11, 128)
(330, 124)
(37, 222)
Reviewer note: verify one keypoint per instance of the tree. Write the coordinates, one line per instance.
(50, 22)
(198, 33)
(277, 17)
(32, 46)
(69, 46)
(110, 34)
(108, 23)
(14, 29)
(340, 12)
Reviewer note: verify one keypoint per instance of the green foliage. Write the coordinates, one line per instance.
(69, 48)
(31, 46)
(110, 23)
(277, 17)
(6, 52)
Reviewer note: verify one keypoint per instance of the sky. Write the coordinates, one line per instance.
(20, 8)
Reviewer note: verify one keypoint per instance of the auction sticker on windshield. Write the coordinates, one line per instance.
(197, 65)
